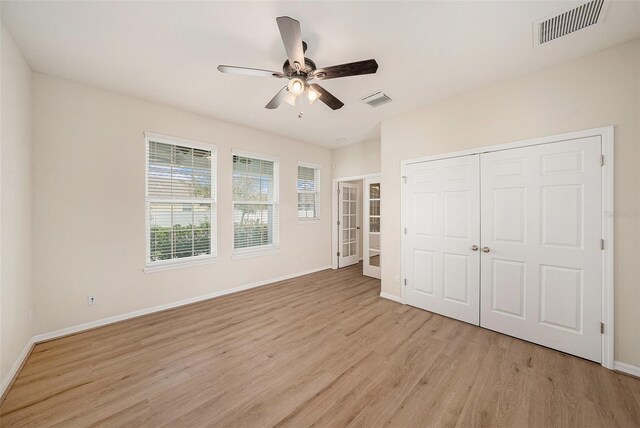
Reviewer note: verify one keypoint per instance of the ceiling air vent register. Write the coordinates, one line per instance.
(570, 21)
(377, 99)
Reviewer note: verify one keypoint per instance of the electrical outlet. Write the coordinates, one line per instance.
(91, 300)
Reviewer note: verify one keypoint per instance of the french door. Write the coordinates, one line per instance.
(372, 257)
(511, 240)
(348, 229)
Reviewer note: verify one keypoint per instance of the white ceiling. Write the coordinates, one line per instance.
(168, 52)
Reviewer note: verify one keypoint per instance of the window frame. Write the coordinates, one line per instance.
(318, 170)
(259, 250)
(160, 265)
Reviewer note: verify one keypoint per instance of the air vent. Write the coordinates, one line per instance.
(376, 99)
(570, 21)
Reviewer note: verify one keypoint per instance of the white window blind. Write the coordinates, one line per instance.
(255, 203)
(181, 211)
(308, 192)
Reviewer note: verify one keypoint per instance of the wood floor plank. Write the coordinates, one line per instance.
(320, 350)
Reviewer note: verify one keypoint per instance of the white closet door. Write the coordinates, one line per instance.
(348, 229)
(443, 229)
(541, 237)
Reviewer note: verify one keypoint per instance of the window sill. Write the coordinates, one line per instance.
(254, 253)
(308, 220)
(179, 264)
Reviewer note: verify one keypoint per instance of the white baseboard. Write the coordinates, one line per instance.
(390, 297)
(626, 368)
(117, 318)
(17, 365)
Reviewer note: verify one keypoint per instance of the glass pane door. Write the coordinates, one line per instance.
(348, 227)
(373, 255)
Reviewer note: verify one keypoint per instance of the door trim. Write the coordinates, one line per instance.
(334, 212)
(606, 134)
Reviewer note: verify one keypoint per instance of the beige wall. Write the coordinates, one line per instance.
(356, 159)
(593, 91)
(90, 215)
(16, 198)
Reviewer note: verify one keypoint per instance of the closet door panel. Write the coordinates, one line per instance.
(541, 277)
(442, 210)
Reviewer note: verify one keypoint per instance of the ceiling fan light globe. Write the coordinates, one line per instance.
(312, 95)
(296, 86)
(290, 99)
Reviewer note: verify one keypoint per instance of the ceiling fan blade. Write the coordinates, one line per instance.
(230, 69)
(292, 39)
(278, 99)
(368, 66)
(327, 98)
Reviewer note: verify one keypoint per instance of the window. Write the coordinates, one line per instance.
(180, 201)
(308, 191)
(255, 203)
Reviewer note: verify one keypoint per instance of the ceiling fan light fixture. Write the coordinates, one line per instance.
(296, 86)
(312, 94)
(290, 99)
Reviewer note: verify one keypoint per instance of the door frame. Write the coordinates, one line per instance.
(334, 213)
(606, 134)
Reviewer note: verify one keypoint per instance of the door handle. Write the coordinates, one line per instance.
(474, 248)
(485, 249)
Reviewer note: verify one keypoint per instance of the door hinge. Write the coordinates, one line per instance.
(601, 328)
(405, 281)
(602, 244)
(338, 222)
(405, 230)
(338, 254)
(601, 160)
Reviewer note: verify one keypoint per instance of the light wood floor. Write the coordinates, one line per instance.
(321, 350)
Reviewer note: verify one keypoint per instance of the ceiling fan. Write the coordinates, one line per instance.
(301, 70)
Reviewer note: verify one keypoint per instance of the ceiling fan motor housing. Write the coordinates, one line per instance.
(306, 70)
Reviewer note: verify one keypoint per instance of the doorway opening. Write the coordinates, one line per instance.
(357, 233)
